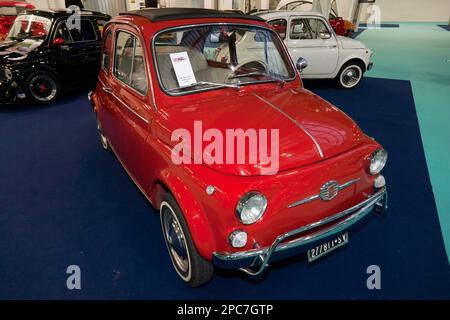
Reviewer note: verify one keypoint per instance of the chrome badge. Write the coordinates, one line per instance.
(329, 190)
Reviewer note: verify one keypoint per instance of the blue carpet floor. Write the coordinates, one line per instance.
(64, 201)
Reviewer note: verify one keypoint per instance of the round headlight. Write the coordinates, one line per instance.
(8, 74)
(378, 161)
(251, 207)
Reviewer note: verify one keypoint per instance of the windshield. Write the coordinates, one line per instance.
(213, 56)
(29, 26)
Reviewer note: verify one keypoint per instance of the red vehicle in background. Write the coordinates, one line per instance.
(8, 12)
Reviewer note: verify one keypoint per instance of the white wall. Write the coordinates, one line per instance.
(411, 10)
(47, 4)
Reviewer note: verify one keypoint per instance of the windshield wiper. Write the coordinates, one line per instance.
(259, 73)
(201, 83)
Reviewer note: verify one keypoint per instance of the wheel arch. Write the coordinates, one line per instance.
(353, 59)
(192, 211)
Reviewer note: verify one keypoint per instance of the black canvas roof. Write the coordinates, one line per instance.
(166, 14)
(62, 13)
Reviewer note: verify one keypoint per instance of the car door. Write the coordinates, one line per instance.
(313, 39)
(130, 110)
(87, 43)
(67, 57)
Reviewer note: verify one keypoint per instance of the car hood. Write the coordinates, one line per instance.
(18, 50)
(310, 129)
(348, 43)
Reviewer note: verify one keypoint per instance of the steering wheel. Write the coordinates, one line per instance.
(247, 67)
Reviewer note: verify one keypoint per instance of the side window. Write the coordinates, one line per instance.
(307, 29)
(85, 33)
(280, 26)
(107, 46)
(129, 65)
(63, 32)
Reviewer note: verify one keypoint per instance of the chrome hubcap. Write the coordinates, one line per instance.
(351, 76)
(176, 241)
(103, 139)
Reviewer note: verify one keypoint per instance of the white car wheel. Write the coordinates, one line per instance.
(350, 75)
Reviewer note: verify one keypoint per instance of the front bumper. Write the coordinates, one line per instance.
(255, 261)
(7, 91)
(369, 66)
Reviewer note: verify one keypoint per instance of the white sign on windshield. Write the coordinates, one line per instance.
(183, 68)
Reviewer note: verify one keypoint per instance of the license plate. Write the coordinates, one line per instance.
(327, 247)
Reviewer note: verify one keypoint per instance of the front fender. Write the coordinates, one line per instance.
(177, 180)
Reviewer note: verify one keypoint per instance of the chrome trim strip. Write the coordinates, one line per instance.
(294, 121)
(316, 196)
(124, 104)
(262, 256)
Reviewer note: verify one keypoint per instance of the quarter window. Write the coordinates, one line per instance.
(129, 66)
(280, 26)
(307, 29)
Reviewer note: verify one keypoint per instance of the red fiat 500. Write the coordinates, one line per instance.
(244, 164)
(8, 12)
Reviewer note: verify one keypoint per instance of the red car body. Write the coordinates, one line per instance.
(138, 128)
(12, 9)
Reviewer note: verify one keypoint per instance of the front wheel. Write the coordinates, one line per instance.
(42, 87)
(190, 266)
(350, 75)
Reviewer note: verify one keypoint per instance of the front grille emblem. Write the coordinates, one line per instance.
(329, 190)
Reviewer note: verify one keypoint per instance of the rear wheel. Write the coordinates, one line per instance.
(190, 266)
(103, 139)
(42, 87)
(350, 74)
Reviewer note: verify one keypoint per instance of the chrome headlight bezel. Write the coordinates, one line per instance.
(244, 212)
(378, 160)
(8, 73)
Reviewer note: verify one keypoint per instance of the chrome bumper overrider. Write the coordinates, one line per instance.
(255, 261)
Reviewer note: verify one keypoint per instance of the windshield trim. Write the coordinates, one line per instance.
(175, 94)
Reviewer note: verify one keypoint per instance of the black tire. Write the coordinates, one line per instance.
(193, 268)
(42, 87)
(103, 139)
(350, 74)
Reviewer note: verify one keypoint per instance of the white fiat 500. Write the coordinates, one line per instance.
(312, 42)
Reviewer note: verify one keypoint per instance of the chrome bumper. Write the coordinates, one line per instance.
(255, 261)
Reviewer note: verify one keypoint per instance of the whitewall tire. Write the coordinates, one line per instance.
(350, 75)
(187, 262)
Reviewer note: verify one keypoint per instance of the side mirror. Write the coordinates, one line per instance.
(324, 35)
(58, 42)
(301, 64)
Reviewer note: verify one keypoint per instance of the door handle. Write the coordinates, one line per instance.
(107, 89)
(333, 46)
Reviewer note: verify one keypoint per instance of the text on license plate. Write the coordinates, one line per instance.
(326, 247)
